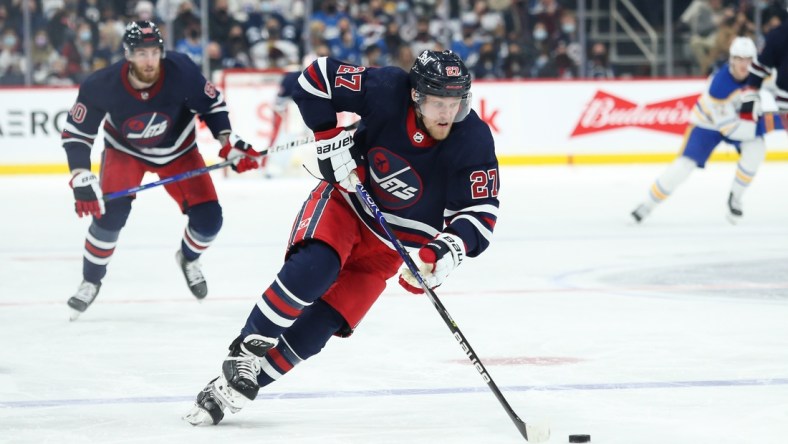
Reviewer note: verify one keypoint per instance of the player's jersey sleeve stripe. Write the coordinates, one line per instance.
(759, 69)
(315, 81)
(481, 228)
(492, 209)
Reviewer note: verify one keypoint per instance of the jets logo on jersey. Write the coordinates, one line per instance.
(395, 184)
(146, 130)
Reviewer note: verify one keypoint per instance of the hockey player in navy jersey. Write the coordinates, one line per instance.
(147, 104)
(715, 118)
(429, 162)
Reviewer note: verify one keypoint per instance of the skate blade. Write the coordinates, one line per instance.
(734, 220)
(198, 416)
(74, 315)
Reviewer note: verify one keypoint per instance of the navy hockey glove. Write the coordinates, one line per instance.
(337, 157)
(246, 158)
(436, 260)
(87, 194)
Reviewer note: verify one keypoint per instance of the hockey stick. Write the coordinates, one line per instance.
(531, 432)
(185, 175)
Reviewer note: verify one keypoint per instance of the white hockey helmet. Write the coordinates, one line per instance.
(743, 47)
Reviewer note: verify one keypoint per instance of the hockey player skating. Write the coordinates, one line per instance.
(429, 162)
(715, 118)
(148, 104)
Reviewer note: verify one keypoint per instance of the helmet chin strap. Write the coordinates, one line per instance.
(419, 119)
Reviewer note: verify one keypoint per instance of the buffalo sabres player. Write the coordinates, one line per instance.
(147, 104)
(429, 162)
(715, 118)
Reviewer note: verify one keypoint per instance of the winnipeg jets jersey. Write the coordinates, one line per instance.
(156, 125)
(773, 58)
(419, 184)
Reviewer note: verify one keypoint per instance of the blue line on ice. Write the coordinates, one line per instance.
(409, 392)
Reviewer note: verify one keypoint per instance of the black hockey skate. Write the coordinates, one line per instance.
(208, 409)
(734, 210)
(640, 213)
(236, 386)
(86, 294)
(192, 271)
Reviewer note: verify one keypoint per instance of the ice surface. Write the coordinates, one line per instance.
(673, 331)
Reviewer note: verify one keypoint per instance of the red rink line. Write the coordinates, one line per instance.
(253, 298)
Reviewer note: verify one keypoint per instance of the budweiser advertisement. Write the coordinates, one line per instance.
(606, 112)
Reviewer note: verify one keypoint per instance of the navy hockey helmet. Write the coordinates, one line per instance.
(442, 74)
(142, 34)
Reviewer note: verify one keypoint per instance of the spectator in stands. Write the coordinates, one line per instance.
(469, 45)
(598, 63)
(423, 39)
(236, 49)
(220, 21)
(548, 12)
(191, 44)
(43, 56)
(272, 51)
(59, 75)
(185, 19)
(10, 58)
(109, 48)
(515, 64)
(704, 17)
(393, 41)
(488, 66)
(330, 15)
(373, 56)
(144, 11)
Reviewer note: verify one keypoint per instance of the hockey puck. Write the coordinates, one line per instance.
(579, 438)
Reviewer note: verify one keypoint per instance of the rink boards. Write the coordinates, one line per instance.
(533, 122)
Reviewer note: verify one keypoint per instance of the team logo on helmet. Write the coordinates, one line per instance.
(395, 183)
(146, 130)
(453, 71)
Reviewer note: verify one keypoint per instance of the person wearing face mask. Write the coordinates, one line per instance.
(10, 59)
(191, 44)
(716, 118)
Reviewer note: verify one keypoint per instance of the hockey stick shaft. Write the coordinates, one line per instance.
(188, 174)
(532, 433)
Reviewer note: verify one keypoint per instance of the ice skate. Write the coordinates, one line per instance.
(208, 409)
(734, 213)
(86, 294)
(236, 386)
(192, 271)
(640, 212)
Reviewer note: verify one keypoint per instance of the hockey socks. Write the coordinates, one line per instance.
(305, 276)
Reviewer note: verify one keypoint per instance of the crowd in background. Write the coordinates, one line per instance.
(497, 38)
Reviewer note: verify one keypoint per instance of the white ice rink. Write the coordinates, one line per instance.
(673, 332)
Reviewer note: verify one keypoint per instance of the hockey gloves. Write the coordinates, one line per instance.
(337, 157)
(246, 158)
(87, 193)
(436, 260)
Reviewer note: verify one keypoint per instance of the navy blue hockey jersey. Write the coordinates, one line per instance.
(421, 185)
(773, 56)
(156, 125)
